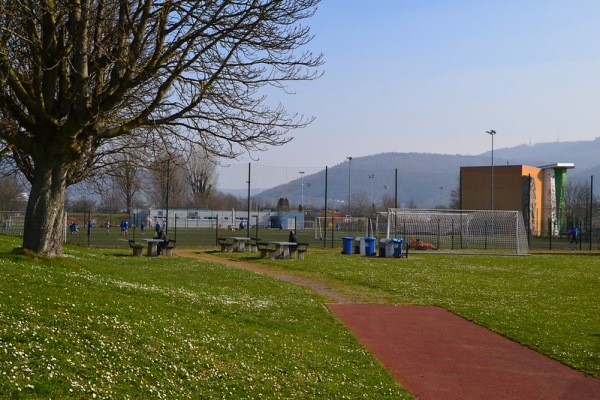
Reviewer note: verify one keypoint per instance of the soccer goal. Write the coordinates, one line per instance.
(460, 230)
(343, 226)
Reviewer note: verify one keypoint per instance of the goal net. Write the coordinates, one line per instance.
(462, 230)
(343, 226)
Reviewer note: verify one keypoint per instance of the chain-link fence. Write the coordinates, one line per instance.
(275, 199)
(12, 222)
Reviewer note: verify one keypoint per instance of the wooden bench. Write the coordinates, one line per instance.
(301, 249)
(266, 250)
(168, 249)
(137, 247)
(225, 245)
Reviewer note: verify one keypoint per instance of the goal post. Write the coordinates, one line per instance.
(461, 230)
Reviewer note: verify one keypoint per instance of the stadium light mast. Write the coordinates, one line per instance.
(349, 169)
(302, 190)
(371, 176)
(492, 133)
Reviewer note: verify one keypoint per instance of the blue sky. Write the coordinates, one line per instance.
(432, 76)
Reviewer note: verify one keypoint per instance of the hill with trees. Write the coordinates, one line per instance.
(424, 180)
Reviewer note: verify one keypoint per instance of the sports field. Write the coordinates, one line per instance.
(101, 323)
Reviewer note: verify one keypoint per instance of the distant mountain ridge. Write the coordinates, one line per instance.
(584, 154)
(426, 179)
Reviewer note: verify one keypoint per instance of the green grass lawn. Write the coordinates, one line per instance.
(549, 302)
(99, 323)
(102, 324)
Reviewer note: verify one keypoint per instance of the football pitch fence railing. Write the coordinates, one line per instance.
(486, 239)
(350, 191)
(12, 224)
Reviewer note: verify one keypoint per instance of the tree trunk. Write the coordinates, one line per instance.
(44, 218)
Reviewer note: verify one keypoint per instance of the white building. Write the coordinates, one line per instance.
(188, 218)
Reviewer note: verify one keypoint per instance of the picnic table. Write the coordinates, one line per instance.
(153, 246)
(239, 244)
(282, 249)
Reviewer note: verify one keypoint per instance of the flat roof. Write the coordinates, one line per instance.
(559, 165)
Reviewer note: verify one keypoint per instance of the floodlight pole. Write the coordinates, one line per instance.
(371, 176)
(396, 189)
(349, 169)
(492, 133)
(302, 190)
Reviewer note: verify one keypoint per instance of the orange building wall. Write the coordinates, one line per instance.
(509, 191)
(537, 177)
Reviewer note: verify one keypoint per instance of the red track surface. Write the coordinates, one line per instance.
(438, 355)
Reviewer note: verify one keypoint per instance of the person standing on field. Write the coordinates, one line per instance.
(574, 234)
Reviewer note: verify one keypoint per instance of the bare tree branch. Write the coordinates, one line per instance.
(77, 75)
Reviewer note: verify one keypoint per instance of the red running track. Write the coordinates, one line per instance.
(438, 355)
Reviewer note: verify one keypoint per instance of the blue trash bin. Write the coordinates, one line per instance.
(370, 246)
(397, 247)
(347, 245)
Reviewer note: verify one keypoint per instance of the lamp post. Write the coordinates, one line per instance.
(373, 209)
(492, 133)
(371, 176)
(302, 190)
(441, 188)
(349, 170)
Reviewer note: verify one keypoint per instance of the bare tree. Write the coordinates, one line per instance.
(361, 205)
(11, 193)
(122, 177)
(412, 204)
(226, 201)
(388, 201)
(127, 180)
(166, 182)
(455, 199)
(201, 172)
(110, 201)
(577, 199)
(81, 205)
(76, 75)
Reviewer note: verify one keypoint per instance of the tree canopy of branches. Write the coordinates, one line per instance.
(167, 182)
(201, 173)
(578, 198)
(11, 196)
(79, 74)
